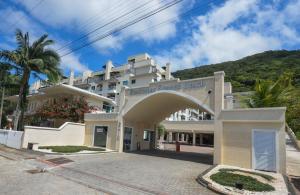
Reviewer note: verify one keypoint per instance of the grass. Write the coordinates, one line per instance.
(267, 177)
(70, 149)
(226, 178)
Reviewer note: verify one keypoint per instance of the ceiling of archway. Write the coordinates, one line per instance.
(157, 107)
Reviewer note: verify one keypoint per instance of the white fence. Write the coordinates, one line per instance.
(11, 138)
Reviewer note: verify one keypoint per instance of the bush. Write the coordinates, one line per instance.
(249, 183)
(69, 149)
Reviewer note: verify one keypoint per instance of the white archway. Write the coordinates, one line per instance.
(161, 104)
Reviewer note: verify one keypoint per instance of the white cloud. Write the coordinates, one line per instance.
(84, 16)
(19, 19)
(234, 30)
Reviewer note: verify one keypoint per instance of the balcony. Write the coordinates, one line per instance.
(95, 79)
(81, 82)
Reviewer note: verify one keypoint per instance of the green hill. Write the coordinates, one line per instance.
(243, 73)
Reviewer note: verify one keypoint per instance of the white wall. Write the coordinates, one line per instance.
(68, 134)
(11, 139)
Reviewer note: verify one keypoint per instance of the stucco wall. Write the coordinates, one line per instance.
(237, 127)
(67, 134)
(111, 133)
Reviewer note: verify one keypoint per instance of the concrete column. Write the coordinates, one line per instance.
(120, 127)
(194, 138)
(182, 137)
(170, 137)
(121, 134)
(108, 67)
(168, 71)
(219, 106)
(177, 136)
(201, 138)
(71, 79)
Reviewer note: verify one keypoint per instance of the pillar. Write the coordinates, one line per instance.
(71, 79)
(170, 135)
(194, 138)
(201, 139)
(182, 137)
(219, 106)
(177, 138)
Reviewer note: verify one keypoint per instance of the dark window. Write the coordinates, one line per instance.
(133, 81)
(93, 87)
(125, 82)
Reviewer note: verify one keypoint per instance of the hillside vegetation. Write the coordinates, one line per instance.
(243, 73)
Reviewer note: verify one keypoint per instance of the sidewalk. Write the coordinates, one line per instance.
(293, 164)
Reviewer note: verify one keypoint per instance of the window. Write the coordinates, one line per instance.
(133, 81)
(146, 135)
(125, 82)
(93, 88)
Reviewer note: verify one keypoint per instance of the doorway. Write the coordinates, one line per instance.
(264, 150)
(127, 139)
(100, 136)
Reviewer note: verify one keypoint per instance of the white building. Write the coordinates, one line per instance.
(139, 71)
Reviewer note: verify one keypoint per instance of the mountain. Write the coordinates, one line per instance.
(242, 73)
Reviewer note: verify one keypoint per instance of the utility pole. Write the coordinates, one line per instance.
(1, 108)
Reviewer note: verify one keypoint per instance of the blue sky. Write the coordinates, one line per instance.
(190, 34)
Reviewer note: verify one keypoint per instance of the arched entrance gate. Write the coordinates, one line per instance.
(142, 109)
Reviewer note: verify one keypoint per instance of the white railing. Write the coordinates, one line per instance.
(11, 138)
(293, 136)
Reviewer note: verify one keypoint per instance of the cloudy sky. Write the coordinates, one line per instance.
(188, 34)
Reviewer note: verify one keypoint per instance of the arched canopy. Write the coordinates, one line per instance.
(157, 106)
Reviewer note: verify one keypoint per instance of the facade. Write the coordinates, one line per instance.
(248, 138)
(139, 71)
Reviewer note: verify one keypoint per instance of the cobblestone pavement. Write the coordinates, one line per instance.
(111, 173)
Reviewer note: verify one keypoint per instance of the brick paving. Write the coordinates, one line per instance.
(149, 172)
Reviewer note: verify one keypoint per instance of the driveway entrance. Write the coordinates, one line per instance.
(148, 172)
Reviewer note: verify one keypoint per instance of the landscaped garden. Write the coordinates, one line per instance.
(70, 149)
(234, 178)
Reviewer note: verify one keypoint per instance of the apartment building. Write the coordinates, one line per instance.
(139, 71)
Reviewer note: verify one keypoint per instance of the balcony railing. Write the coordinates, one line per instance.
(80, 82)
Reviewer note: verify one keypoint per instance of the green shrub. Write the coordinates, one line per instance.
(69, 149)
(267, 177)
(249, 183)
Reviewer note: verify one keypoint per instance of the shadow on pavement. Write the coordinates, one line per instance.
(186, 156)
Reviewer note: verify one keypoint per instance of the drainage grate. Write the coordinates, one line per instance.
(34, 171)
(60, 160)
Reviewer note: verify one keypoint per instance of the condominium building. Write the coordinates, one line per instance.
(139, 71)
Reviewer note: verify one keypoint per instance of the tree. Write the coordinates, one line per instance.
(30, 59)
(272, 94)
(8, 85)
(161, 130)
(279, 93)
(71, 109)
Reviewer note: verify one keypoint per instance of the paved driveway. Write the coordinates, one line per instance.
(139, 173)
(111, 173)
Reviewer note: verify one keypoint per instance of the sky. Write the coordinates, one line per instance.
(188, 34)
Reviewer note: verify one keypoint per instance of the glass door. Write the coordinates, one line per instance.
(127, 139)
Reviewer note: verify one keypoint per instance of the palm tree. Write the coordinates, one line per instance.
(270, 94)
(30, 59)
